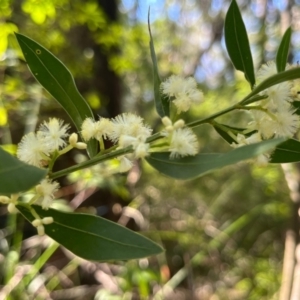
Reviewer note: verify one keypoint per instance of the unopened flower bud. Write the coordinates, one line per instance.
(169, 128)
(179, 124)
(4, 199)
(80, 145)
(166, 121)
(47, 220)
(73, 139)
(12, 208)
(36, 222)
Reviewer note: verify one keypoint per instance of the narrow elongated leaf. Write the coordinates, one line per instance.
(287, 152)
(53, 75)
(275, 79)
(92, 237)
(237, 43)
(221, 130)
(201, 164)
(16, 176)
(161, 101)
(283, 50)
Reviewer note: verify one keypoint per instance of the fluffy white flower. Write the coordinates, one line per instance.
(32, 150)
(46, 190)
(266, 70)
(267, 127)
(281, 123)
(98, 130)
(263, 123)
(141, 148)
(279, 93)
(184, 90)
(88, 129)
(286, 124)
(129, 124)
(295, 90)
(126, 140)
(183, 142)
(103, 128)
(176, 84)
(182, 102)
(196, 96)
(53, 133)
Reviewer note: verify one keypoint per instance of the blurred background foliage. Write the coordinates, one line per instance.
(223, 233)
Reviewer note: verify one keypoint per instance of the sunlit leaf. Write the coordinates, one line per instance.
(53, 75)
(16, 176)
(3, 116)
(92, 237)
(161, 101)
(237, 42)
(201, 164)
(283, 50)
(287, 152)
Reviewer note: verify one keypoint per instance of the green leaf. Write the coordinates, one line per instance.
(161, 101)
(92, 237)
(283, 50)
(275, 79)
(223, 129)
(201, 164)
(53, 75)
(237, 43)
(16, 176)
(296, 106)
(287, 152)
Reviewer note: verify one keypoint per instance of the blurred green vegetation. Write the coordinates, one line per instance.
(223, 233)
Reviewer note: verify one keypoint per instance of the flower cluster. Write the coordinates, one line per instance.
(11, 201)
(183, 91)
(274, 116)
(39, 224)
(129, 129)
(126, 130)
(45, 193)
(36, 148)
(182, 140)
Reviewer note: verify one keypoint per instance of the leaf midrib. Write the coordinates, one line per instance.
(101, 237)
(67, 95)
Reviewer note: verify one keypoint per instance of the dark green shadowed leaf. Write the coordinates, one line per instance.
(16, 176)
(201, 164)
(223, 129)
(287, 152)
(92, 237)
(237, 43)
(53, 75)
(296, 106)
(283, 50)
(161, 101)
